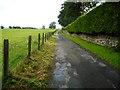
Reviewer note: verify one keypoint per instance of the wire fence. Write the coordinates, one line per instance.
(16, 52)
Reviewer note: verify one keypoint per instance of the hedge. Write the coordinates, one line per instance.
(101, 20)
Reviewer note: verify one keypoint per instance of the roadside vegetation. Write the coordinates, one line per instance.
(32, 73)
(18, 43)
(105, 53)
(100, 20)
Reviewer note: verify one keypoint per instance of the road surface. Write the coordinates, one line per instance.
(75, 67)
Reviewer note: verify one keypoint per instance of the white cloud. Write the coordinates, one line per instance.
(29, 12)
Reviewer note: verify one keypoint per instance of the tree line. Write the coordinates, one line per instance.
(52, 25)
(17, 27)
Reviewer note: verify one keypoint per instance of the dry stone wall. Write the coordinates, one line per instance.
(103, 40)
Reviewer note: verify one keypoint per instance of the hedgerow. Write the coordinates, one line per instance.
(101, 20)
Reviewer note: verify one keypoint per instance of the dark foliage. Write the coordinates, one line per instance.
(10, 27)
(2, 27)
(52, 25)
(102, 20)
(28, 28)
(16, 27)
(43, 27)
(69, 12)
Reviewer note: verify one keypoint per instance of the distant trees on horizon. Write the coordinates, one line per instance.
(43, 27)
(28, 28)
(10, 27)
(18, 27)
(2, 27)
(52, 25)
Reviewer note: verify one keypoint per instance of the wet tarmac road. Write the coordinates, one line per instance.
(76, 68)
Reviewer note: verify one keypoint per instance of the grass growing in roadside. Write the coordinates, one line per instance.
(108, 55)
(18, 43)
(33, 73)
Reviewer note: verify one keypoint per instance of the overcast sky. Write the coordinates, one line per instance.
(34, 13)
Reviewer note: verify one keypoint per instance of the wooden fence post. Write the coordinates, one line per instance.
(39, 41)
(29, 46)
(6, 56)
(42, 38)
(45, 37)
(49, 34)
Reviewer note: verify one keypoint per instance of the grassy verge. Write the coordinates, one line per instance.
(104, 53)
(18, 44)
(33, 73)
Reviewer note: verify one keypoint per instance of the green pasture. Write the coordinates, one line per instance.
(0, 53)
(18, 39)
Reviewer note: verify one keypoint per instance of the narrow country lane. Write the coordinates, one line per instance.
(76, 68)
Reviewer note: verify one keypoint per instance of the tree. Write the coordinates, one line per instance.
(88, 5)
(10, 27)
(52, 25)
(43, 27)
(16, 27)
(69, 12)
(2, 27)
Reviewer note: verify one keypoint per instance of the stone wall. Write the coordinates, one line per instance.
(103, 40)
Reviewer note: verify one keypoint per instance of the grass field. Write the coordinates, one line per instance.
(18, 39)
(0, 53)
(104, 53)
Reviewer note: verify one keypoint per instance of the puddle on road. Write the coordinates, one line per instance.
(61, 73)
(60, 54)
(63, 69)
(102, 64)
(88, 57)
(93, 60)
